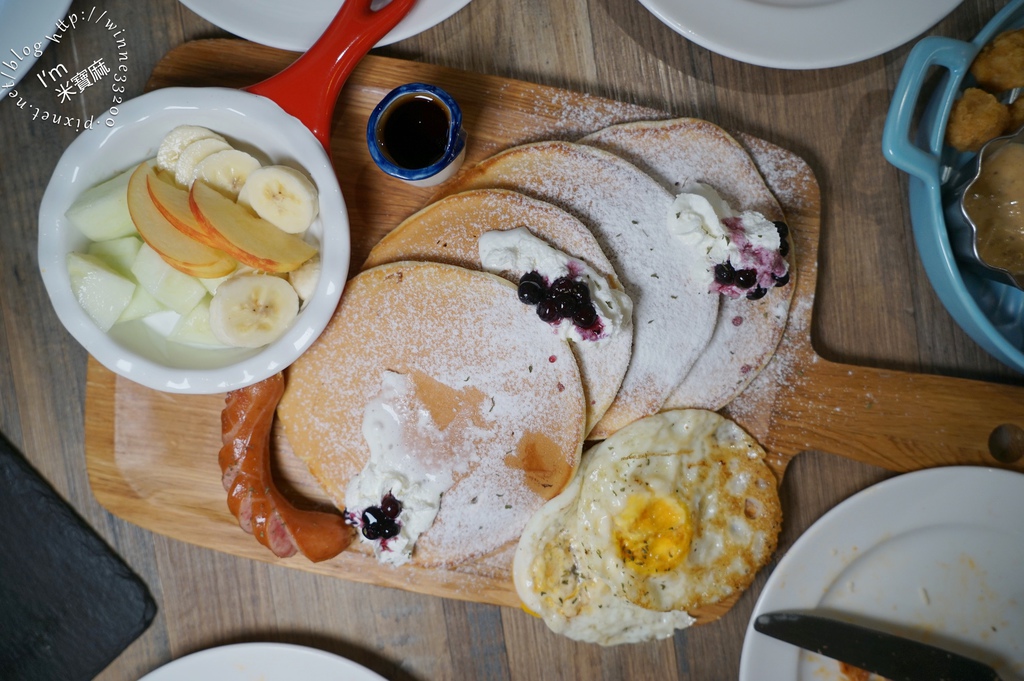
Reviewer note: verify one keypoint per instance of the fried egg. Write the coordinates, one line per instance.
(674, 512)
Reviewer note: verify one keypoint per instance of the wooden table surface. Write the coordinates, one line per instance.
(874, 307)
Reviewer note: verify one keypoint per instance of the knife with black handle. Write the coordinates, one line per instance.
(894, 657)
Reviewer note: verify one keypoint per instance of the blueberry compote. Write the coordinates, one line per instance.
(759, 269)
(378, 522)
(566, 297)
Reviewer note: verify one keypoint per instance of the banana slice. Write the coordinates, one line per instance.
(304, 279)
(175, 142)
(192, 155)
(282, 196)
(227, 170)
(252, 310)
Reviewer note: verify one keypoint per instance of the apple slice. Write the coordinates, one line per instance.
(248, 238)
(172, 202)
(178, 250)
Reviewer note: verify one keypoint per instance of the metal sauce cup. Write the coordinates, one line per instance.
(964, 231)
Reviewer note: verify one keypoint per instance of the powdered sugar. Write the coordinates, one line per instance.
(754, 407)
(404, 442)
(625, 209)
(563, 115)
(686, 151)
(785, 173)
(789, 177)
(482, 361)
(448, 231)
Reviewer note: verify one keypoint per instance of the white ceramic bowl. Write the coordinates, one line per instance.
(139, 350)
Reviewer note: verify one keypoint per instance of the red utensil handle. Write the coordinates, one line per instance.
(308, 89)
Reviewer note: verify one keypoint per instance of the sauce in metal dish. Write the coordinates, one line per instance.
(995, 204)
(413, 133)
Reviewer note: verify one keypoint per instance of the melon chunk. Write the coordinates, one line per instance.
(194, 327)
(118, 253)
(101, 212)
(103, 293)
(142, 305)
(177, 290)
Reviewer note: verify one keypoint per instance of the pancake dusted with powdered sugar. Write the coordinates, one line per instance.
(429, 371)
(449, 231)
(678, 153)
(673, 316)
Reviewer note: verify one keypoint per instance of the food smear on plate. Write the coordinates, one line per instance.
(202, 242)
(745, 252)
(995, 204)
(848, 672)
(672, 513)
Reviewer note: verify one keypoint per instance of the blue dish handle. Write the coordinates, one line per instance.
(899, 150)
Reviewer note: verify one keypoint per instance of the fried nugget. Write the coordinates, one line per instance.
(1000, 64)
(1016, 116)
(976, 118)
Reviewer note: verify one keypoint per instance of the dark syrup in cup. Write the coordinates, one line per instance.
(415, 134)
(414, 131)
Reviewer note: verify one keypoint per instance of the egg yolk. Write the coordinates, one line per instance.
(653, 534)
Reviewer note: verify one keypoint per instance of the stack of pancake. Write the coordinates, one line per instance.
(513, 400)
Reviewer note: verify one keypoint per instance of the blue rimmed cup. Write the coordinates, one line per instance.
(415, 134)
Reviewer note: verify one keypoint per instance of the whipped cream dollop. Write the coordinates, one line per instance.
(733, 242)
(515, 252)
(401, 435)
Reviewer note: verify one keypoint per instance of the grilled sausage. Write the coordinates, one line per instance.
(253, 497)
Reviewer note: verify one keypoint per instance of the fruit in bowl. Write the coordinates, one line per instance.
(174, 237)
(128, 247)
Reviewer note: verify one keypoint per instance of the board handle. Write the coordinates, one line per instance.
(900, 421)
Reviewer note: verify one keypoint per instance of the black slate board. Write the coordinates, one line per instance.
(68, 604)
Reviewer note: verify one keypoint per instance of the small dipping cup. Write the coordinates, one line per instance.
(415, 134)
(966, 232)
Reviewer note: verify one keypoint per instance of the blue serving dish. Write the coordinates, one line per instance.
(990, 312)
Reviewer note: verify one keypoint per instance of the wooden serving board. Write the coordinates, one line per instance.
(152, 457)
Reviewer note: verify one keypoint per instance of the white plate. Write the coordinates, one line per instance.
(937, 555)
(800, 34)
(23, 24)
(262, 662)
(296, 25)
